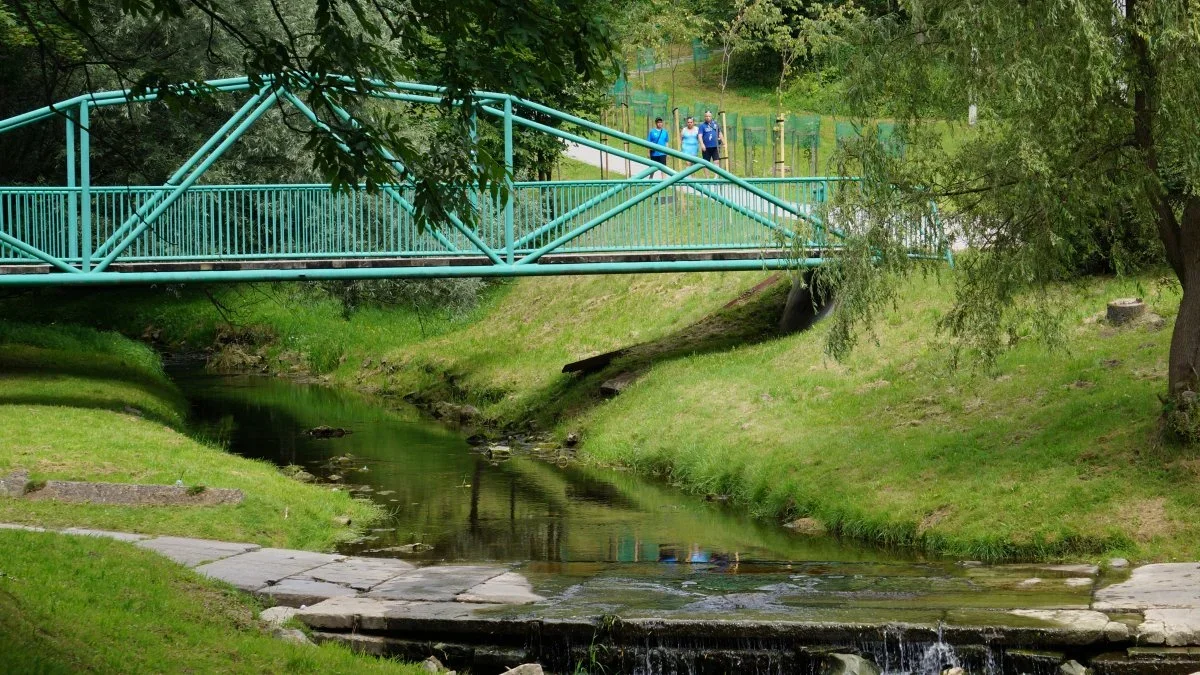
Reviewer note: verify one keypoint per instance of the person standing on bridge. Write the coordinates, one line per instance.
(659, 136)
(711, 138)
(689, 138)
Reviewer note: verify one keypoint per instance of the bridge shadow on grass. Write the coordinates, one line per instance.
(751, 318)
(36, 376)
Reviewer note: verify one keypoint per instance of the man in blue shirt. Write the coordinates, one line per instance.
(660, 136)
(711, 138)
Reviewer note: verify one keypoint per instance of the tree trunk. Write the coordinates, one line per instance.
(1184, 365)
(1183, 370)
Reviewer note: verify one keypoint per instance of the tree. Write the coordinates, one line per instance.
(1087, 116)
(519, 46)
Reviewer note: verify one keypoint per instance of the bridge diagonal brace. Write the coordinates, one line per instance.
(598, 199)
(607, 215)
(189, 180)
(388, 190)
(749, 213)
(139, 215)
(454, 219)
(34, 252)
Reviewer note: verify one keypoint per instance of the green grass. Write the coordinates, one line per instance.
(808, 95)
(81, 604)
(77, 404)
(1052, 454)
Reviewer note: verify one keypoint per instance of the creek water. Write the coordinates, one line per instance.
(449, 502)
(602, 542)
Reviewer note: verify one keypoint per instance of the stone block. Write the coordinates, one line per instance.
(1170, 627)
(264, 567)
(192, 552)
(119, 536)
(441, 583)
(296, 592)
(1163, 585)
(14, 484)
(509, 588)
(360, 573)
(369, 614)
(350, 614)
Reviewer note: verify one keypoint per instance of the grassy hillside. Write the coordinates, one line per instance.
(78, 404)
(1050, 454)
(82, 604)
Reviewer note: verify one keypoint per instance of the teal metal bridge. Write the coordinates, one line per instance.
(661, 219)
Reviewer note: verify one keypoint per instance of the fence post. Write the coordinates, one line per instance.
(508, 177)
(85, 186)
(676, 140)
(625, 129)
(604, 115)
(780, 162)
(725, 135)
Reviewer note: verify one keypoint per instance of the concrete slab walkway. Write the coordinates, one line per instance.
(380, 604)
(296, 578)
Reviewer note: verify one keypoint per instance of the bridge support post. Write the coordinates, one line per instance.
(85, 187)
(72, 198)
(508, 178)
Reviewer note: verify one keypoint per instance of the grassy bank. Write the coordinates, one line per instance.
(1051, 454)
(80, 604)
(78, 404)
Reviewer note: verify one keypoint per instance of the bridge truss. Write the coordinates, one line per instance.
(661, 219)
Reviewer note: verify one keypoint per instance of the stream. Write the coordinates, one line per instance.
(743, 595)
(448, 502)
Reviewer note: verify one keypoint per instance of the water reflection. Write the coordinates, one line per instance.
(449, 503)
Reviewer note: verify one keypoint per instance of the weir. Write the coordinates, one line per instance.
(519, 559)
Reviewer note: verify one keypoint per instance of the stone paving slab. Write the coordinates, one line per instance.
(509, 588)
(265, 567)
(119, 536)
(441, 583)
(1170, 627)
(360, 573)
(1163, 585)
(293, 592)
(370, 614)
(192, 552)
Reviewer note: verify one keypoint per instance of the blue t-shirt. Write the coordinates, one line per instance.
(709, 131)
(661, 137)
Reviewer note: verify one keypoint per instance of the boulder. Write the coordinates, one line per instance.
(617, 384)
(525, 669)
(849, 664)
(327, 432)
(1072, 668)
(572, 439)
(291, 635)
(277, 616)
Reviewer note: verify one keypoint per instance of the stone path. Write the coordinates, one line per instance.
(298, 578)
(390, 606)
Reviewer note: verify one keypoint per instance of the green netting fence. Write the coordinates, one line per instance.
(802, 138)
(845, 130)
(756, 149)
(886, 134)
(646, 60)
(700, 56)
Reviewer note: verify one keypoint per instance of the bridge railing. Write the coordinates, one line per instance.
(82, 230)
(217, 222)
